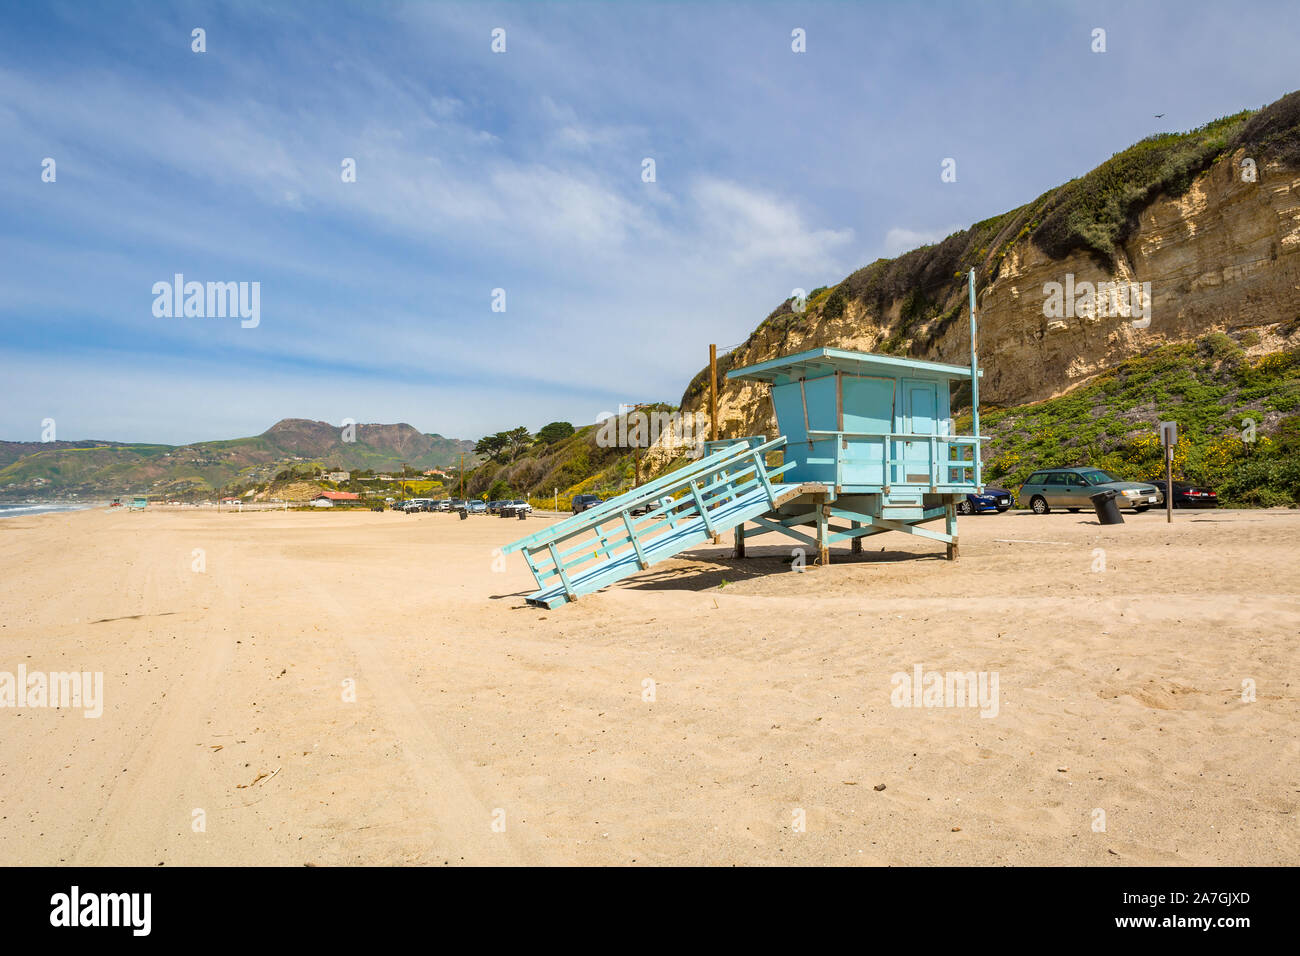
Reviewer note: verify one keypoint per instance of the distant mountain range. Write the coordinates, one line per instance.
(93, 468)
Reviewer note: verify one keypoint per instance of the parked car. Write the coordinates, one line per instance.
(648, 506)
(1072, 488)
(1188, 495)
(583, 502)
(993, 499)
(478, 507)
(456, 504)
(511, 509)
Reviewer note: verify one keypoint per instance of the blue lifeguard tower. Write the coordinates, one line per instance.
(867, 445)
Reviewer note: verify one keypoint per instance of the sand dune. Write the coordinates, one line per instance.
(1118, 690)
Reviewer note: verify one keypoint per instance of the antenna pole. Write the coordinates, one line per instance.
(974, 382)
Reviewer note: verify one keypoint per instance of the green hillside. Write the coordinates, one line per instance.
(203, 469)
(1210, 387)
(573, 465)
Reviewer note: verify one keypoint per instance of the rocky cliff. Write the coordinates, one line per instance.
(1206, 222)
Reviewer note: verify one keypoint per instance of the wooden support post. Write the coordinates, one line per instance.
(823, 547)
(713, 403)
(950, 527)
(713, 393)
(740, 540)
(856, 546)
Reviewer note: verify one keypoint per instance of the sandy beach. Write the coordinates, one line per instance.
(698, 713)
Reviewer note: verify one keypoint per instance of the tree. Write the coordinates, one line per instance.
(516, 440)
(491, 446)
(555, 431)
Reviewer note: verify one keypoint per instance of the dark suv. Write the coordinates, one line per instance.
(583, 502)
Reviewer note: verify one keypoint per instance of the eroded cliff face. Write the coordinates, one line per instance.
(1223, 256)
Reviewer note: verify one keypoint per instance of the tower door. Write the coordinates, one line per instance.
(920, 417)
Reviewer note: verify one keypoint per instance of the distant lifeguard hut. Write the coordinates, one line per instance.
(867, 444)
(139, 503)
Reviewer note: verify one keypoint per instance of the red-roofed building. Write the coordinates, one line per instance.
(326, 499)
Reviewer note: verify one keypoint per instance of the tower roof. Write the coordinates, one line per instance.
(815, 363)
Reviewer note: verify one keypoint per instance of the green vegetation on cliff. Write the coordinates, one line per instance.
(1210, 387)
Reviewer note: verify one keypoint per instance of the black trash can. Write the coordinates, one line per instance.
(1107, 509)
(464, 513)
(522, 514)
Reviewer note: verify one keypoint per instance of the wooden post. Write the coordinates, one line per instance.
(856, 547)
(950, 526)
(740, 540)
(823, 530)
(713, 393)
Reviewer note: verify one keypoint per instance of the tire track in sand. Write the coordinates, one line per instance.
(460, 819)
(145, 806)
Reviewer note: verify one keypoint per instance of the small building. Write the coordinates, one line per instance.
(337, 476)
(326, 499)
(139, 503)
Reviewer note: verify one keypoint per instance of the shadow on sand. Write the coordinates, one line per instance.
(713, 569)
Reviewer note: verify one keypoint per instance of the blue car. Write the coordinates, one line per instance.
(993, 499)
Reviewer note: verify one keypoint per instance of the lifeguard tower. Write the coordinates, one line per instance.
(867, 445)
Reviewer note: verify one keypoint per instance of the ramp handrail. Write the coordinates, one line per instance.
(650, 491)
(580, 546)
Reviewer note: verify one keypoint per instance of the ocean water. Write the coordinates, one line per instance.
(16, 510)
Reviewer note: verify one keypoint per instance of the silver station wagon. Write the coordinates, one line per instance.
(1073, 488)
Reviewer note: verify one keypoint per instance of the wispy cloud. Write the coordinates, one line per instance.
(899, 240)
(519, 171)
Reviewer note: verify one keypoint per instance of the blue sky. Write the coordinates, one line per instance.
(522, 170)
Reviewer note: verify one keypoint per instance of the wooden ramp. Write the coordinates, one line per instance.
(680, 510)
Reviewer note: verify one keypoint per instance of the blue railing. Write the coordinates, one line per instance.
(569, 552)
(938, 470)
